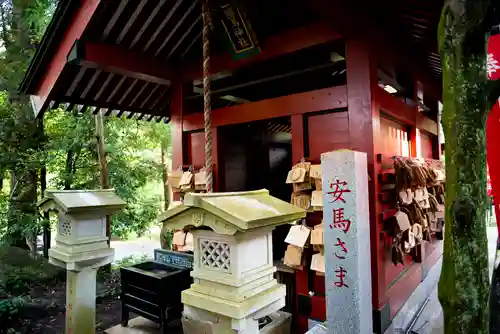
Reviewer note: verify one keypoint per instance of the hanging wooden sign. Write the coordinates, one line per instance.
(238, 33)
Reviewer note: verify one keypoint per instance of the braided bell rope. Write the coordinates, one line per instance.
(207, 112)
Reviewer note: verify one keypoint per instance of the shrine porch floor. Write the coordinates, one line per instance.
(422, 314)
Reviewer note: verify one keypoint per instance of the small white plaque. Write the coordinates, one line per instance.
(297, 235)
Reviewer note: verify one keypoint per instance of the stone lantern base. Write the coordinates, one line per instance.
(196, 320)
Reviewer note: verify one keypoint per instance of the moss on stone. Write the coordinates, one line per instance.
(83, 321)
(464, 283)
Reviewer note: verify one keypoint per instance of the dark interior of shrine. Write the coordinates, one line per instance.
(258, 155)
(306, 70)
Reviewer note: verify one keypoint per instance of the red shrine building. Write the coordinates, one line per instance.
(303, 77)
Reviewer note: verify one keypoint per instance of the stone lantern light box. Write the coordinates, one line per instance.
(233, 269)
(81, 239)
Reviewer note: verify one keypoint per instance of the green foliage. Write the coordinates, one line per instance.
(65, 143)
(9, 307)
(21, 138)
(133, 162)
(131, 260)
(19, 272)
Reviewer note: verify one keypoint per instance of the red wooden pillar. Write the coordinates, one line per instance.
(414, 132)
(364, 133)
(215, 159)
(177, 135)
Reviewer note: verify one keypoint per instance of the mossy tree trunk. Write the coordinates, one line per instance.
(467, 100)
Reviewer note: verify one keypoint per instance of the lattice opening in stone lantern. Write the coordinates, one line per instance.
(215, 255)
(64, 227)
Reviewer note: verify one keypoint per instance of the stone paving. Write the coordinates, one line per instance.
(430, 318)
(140, 325)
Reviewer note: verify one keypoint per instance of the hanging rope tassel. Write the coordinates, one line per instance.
(207, 96)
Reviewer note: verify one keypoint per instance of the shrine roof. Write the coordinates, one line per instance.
(72, 201)
(238, 211)
(122, 56)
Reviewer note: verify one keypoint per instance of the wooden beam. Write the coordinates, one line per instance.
(382, 43)
(121, 61)
(402, 112)
(114, 18)
(319, 100)
(80, 20)
(143, 88)
(393, 107)
(131, 21)
(104, 86)
(162, 25)
(90, 83)
(147, 22)
(427, 124)
(151, 93)
(177, 25)
(183, 37)
(272, 47)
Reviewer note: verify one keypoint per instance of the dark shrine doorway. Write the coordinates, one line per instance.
(258, 155)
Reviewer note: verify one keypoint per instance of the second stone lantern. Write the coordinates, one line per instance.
(233, 269)
(81, 248)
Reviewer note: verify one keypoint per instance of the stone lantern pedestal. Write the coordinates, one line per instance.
(81, 248)
(233, 267)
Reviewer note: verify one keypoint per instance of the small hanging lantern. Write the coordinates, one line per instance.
(493, 57)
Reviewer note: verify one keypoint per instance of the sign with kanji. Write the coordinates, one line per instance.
(347, 242)
(237, 30)
(493, 57)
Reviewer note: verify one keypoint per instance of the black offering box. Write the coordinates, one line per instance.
(153, 289)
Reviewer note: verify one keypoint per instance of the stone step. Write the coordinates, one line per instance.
(141, 325)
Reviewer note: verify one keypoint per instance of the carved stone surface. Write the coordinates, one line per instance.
(347, 242)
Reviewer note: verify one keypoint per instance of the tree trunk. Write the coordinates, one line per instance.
(68, 170)
(46, 216)
(166, 235)
(103, 162)
(166, 188)
(464, 282)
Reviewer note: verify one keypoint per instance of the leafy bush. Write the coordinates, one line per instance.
(19, 272)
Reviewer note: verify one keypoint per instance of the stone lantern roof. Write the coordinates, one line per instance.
(231, 212)
(79, 201)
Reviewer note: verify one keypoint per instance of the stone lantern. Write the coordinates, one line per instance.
(81, 248)
(233, 269)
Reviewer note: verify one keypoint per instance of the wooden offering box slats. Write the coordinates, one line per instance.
(153, 289)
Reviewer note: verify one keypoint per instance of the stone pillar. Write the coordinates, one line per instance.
(80, 301)
(347, 242)
(81, 247)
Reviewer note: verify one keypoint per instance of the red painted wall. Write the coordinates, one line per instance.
(326, 132)
(426, 145)
(196, 149)
(395, 137)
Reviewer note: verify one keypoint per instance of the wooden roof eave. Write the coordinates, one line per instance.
(61, 47)
(50, 40)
